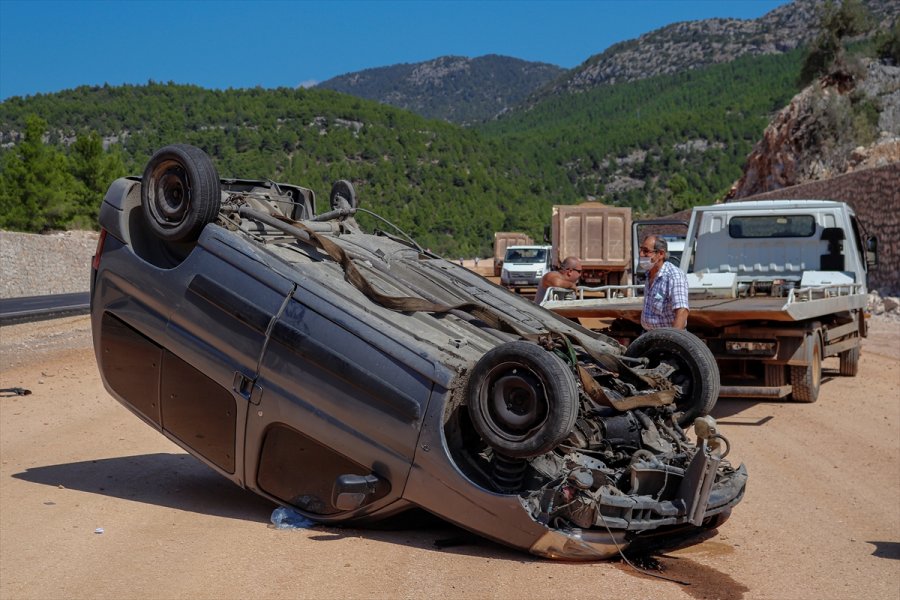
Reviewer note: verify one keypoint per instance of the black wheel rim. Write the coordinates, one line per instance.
(169, 193)
(514, 402)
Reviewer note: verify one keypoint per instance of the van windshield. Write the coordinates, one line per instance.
(526, 255)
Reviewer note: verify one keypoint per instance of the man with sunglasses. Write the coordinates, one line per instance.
(666, 289)
(566, 277)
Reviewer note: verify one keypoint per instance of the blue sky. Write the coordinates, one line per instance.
(47, 46)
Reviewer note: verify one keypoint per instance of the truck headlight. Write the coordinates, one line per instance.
(755, 348)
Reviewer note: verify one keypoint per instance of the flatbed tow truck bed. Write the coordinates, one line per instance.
(800, 305)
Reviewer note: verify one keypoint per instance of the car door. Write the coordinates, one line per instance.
(344, 394)
(216, 334)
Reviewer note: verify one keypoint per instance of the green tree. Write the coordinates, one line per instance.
(826, 53)
(93, 170)
(888, 44)
(36, 188)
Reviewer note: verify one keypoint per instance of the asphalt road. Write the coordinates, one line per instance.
(36, 308)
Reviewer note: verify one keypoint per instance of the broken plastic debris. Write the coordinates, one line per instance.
(14, 391)
(286, 518)
(98, 530)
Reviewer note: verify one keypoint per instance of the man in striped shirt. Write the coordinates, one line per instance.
(666, 290)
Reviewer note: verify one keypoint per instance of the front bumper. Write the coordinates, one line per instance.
(520, 279)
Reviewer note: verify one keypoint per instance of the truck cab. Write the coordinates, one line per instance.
(777, 286)
(772, 247)
(524, 266)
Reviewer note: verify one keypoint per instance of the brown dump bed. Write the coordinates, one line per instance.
(598, 234)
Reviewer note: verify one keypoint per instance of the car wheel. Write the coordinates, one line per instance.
(695, 369)
(805, 380)
(523, 400)
(343, 189)
(180, 193)
(849, 362)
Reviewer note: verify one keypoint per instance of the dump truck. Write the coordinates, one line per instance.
(775, 287)
(598, 235)
(502, 241)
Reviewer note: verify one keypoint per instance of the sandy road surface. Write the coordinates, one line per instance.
(821, 518)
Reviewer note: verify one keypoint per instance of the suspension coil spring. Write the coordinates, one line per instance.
(508, 473)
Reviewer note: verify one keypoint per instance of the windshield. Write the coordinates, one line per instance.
(526, 255)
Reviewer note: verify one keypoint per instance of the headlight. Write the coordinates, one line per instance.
(755, 348)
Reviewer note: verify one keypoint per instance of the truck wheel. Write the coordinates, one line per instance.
(180, 193)
(695, 368)
(522, 400)
(805, 380)
(849, 362)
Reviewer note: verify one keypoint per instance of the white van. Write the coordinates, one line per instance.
(524, 266)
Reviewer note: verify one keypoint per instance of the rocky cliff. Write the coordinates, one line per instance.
(829, 129)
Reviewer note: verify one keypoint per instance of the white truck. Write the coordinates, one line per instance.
(775, 287)
(524, 266)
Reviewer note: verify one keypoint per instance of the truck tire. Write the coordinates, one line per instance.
(695, 369)
(849, 362)
(805, 380)
(522, 399)
(180, 193)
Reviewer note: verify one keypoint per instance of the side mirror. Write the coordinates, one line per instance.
(871, 251)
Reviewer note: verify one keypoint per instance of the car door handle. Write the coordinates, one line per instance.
(247, 388)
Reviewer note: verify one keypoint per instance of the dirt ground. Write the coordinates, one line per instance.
(95, 504)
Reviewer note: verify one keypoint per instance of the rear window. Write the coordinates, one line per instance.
(772, 226)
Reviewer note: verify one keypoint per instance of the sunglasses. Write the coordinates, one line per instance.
(648, 251)
(576, 270)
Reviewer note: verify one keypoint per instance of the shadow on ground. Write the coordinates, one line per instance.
(172, 480)
(181, 482)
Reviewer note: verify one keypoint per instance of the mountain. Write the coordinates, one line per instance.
(692, 45)
(659, 144)
(453, 88)
(468, 91)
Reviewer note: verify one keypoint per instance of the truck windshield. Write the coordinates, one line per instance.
(772, 226)
(526, 255)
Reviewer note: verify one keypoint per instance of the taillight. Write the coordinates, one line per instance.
(95, 262)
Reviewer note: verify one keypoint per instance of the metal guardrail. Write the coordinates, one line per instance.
(817, 292)
(610, 292)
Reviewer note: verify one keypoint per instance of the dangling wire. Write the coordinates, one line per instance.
(400, 231)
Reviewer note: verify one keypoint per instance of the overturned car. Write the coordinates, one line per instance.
(352, 376)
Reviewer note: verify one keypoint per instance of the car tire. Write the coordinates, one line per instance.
(696, 371)
(849, 362)
(806, 379)
(180, 193)
(522, 399)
